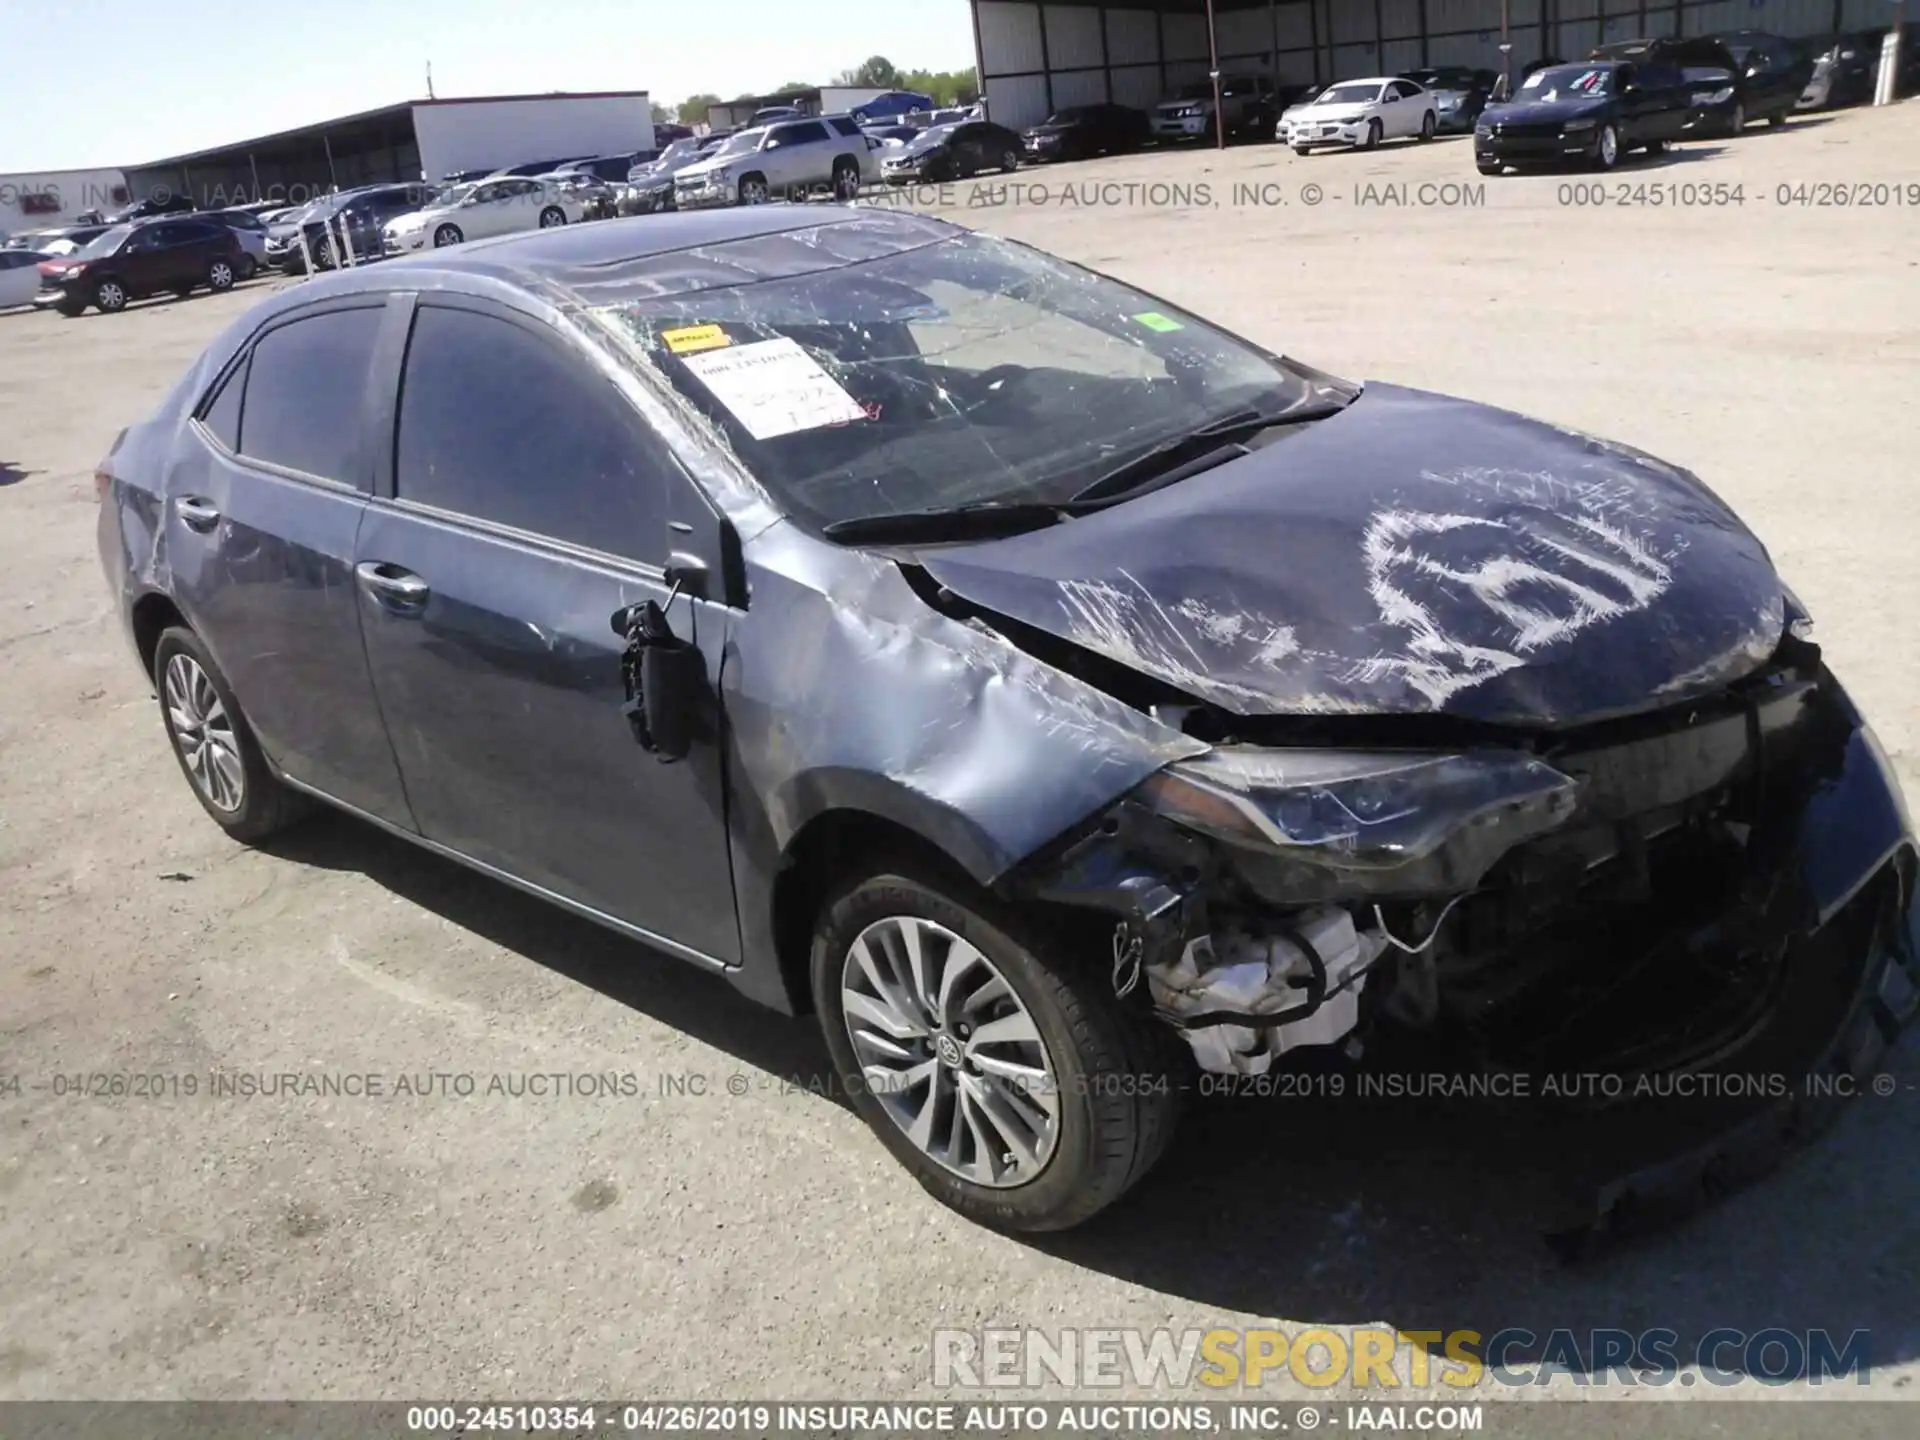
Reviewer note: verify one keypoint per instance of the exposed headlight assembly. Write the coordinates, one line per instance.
(1721, 96)
(1321, 824)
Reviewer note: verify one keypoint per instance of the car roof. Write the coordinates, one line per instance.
(572, 257)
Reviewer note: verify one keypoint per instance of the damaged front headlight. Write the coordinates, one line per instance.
(1318, 824)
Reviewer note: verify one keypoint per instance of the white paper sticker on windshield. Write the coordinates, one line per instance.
(774, 388)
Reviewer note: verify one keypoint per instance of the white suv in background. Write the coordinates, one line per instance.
(790, 160)
(498, 206)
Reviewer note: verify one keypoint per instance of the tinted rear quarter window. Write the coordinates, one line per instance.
(503, 425)
(306, 386)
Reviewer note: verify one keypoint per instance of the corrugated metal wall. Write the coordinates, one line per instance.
(1038, 57)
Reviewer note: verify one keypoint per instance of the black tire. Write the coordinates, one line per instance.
(1488, 167)
(551, 217)
(220, 276)
(265, 805)
(1737, 121)
(110, 295)
(846, 179)
(1115, 1067)
(1777, 120)
(249, 267)
(1302, 150)
(181, 292)
(71, 308)
(1009, 161)
(1428, 126)
(753, 190)
(1372, 142)
(447, 235)
(1606, 148)
(1656, 147)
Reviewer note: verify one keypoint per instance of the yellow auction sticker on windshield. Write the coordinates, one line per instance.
(693, 338)
(1154, 320)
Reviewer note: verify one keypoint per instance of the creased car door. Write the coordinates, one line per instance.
(262, 512)
(526, 505)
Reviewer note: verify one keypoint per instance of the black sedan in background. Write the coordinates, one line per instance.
(954, 152)
(1769, 73)
(1084, 131)
(1060, 697)
(649, 186)
(1589, 113)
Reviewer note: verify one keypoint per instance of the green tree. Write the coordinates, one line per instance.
(693, 109)
(875, 70)
(661, 114)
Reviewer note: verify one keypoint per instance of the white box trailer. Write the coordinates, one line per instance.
(493, 134)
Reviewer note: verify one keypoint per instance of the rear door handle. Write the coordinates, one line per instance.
(393, 587)
(195, 513)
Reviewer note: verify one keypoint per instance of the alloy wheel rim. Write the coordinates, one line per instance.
(203, 731)
(1608, 148)
(950, 1052)
(446, 235)
(550, 218)
(222, 275)
(111, 294)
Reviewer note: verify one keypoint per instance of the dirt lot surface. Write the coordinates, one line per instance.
(755, 1241)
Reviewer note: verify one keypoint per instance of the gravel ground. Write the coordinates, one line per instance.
(754, 1241)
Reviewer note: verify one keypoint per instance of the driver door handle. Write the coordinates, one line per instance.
(391, 586)
(196, 513)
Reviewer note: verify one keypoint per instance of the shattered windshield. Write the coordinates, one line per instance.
(1568, 82)
(965, 371)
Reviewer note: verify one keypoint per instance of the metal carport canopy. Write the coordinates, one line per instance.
(1034, 58)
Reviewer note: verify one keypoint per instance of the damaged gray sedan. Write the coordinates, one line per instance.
(1065, 699)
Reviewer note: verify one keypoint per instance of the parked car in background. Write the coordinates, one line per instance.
(649, 188)
(1772, 72)
(362, 214)
(20, 276)
(466, 177)
(58, 240)
(614, 169)
(1590, 113)
(1768, 81)
(892, 137)
(1248, 107)
(534, 167)
(500, 206)
(1362, 113)
(1844, 69)
(771, 609)
(1081, 132)
(1459, 94)
(159, 255)
(953, 152)
(252, 234)
(592, 197)
(890, 106)
(666, 132)
(793, 159)
(767, 114)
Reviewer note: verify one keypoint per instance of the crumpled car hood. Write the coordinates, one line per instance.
(1413, 554)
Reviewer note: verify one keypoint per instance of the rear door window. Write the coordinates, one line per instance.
(305, 399)
(503, 425)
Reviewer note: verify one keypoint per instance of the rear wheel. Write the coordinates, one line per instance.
(214, 744)
(1777, 120)
(1011, 1082)
(1488, 167)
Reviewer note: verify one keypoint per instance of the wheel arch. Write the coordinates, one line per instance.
(152, 615)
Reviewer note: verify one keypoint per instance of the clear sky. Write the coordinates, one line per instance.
(119, 82)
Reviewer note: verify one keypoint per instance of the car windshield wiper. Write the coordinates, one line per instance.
(1215, 443)
(975, 520)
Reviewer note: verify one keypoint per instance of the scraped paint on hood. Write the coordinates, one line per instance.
(1413, 554)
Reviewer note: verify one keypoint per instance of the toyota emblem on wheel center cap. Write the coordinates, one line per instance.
(948, 1050)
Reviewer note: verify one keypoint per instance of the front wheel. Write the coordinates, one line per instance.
(1009, 161)
(753, 190)
(447, 235)
(214, 744)
(1606, 148)
(1010, 1081)
(1302, 150)
(551, 216)
(220, 276)
(846, 180)
(1737, 121)
(1372, 142)
(70, 308)
(1428, 125)
(110, 295)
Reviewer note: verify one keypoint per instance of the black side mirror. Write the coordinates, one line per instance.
(665, 679)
